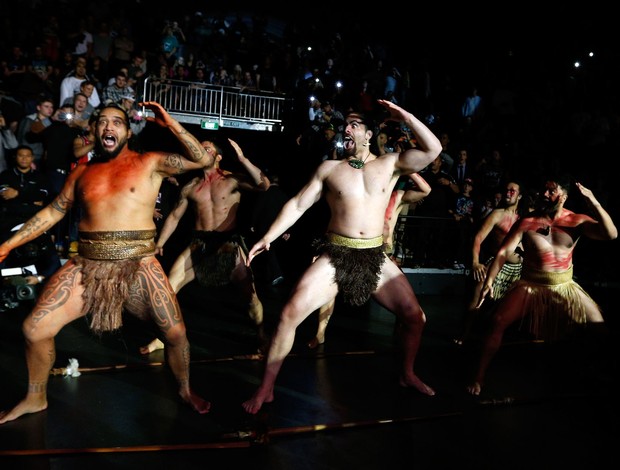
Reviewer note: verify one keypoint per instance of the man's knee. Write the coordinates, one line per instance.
(34, 331)
(176, 335)
(291, 317)
(411, 315)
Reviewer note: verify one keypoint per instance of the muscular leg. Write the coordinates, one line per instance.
(156, 294)
(471, 313)
(396, 294)
(313, 289)
(507, 312)
(325, 314)
(58, 304)
(593, 312)
(243, 278)
(181, 273)
(599, 359)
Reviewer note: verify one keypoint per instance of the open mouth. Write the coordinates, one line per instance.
(108, 141)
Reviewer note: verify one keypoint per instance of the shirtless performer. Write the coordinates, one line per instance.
(217, 254)
(546, 291)
(116, 267)
(357, 190)
(491, 233)
(399, 198)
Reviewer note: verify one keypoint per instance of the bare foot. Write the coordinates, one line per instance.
(414, 381)
(254, 404)
(316, 341)
(154, 345)
(26, 406)
(475, 388)
(199, 404)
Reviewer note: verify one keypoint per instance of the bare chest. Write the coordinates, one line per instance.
(106, 182)
(217, 190)
(548, 237)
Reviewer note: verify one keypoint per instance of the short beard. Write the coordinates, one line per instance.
(548, 208)
(350, 152)
(102, 155)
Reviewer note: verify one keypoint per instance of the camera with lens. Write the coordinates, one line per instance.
(14, 289)
(62, 116)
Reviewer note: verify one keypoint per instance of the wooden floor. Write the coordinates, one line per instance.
(336, 407)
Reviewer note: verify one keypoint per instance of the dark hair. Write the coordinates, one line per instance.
(93, 117)
(364, 119)
(44, 99)
(133, 142)
(563, 180)
(507, 181)
(117, 107)
(22, 147)
(217, 147)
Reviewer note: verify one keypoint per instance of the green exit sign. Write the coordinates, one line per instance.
(212, 125)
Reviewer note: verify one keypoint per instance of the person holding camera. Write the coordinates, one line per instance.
(58, 140)
(37, 121)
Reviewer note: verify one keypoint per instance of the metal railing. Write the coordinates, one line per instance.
(432, 242)
(213, 106)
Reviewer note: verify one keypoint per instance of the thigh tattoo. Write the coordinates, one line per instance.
(153, 296)
(57, 292)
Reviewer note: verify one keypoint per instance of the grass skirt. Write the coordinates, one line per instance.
(357, 269)
(552, 301)
(214, 256)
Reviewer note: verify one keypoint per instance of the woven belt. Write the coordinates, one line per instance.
(117, 245)
(358, 243)
(547, 278)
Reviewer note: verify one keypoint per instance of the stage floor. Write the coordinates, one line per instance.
(336, 407)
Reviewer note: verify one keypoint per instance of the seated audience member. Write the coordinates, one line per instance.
(23, 192)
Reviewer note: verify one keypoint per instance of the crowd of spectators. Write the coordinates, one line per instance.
(486, 101)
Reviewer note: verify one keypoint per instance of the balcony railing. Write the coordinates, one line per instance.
(212, 106)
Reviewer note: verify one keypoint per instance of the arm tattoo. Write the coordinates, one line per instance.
(33, 228)
(62, 204)
(196, 152)
(174, 161)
